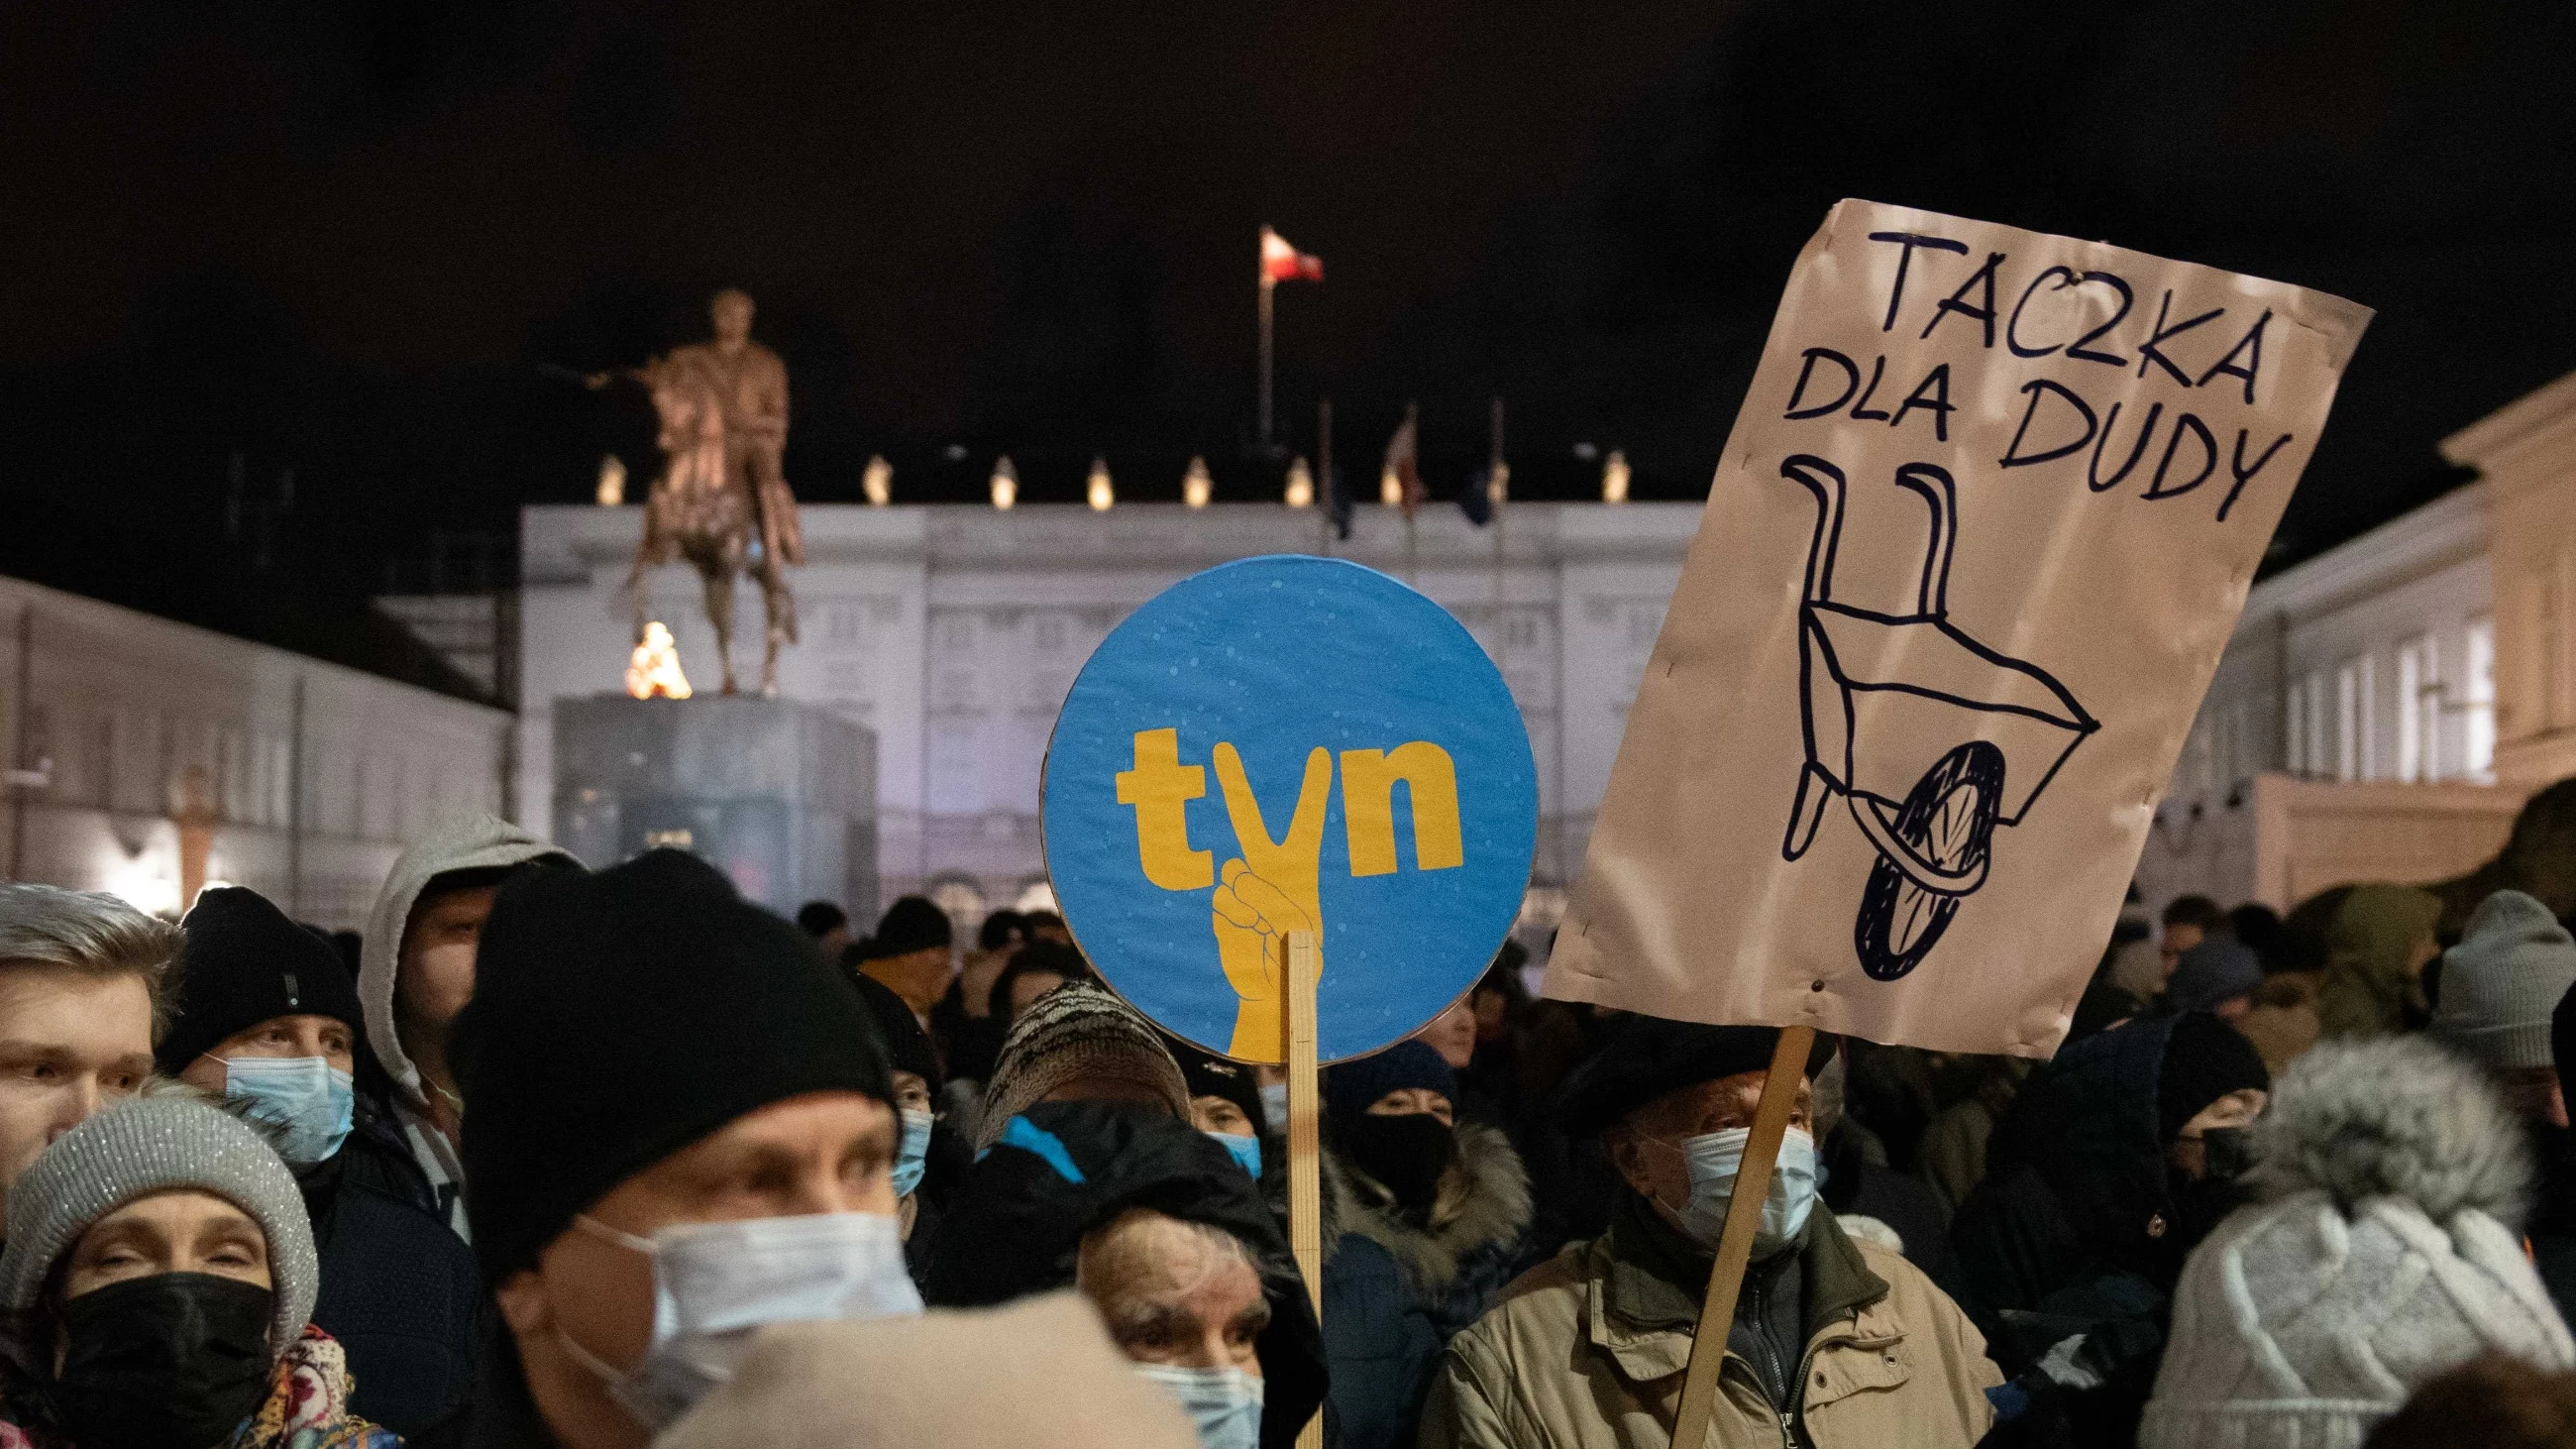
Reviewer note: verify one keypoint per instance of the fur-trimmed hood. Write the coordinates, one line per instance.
(1494, 1210)
(2394, 1117)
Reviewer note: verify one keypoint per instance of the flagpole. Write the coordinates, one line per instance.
(1267, 287)
(1327, 493)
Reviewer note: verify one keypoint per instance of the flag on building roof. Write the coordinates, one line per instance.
(1281, 262)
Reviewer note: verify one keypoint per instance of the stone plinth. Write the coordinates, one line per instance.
(780, 796)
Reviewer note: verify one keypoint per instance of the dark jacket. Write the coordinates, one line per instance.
(1396, 1291)
(400, 1291)
(2077, 1230)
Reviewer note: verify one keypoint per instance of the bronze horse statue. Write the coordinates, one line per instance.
(721, 502)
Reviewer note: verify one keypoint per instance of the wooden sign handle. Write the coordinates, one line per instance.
(1305, 1180)
(1735, 1240)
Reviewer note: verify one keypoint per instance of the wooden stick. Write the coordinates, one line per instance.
(1305, 1171)
(1735, 1240)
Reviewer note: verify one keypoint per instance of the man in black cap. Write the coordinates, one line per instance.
(267, 1015)
(1834, 1341)
(912, 953)
(678, 1125)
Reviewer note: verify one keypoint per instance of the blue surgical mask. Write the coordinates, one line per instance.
(717, 1284)
(912, 1150)
(1246, 1150)
(1223, 1404)
(1274, 1105)
(309, 1103)
(1715, 1160)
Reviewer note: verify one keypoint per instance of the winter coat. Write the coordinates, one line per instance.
(2381, 1259)
(2370, 984)
(1587, 1351)
(2283, 1022)
(400, 1291)
(1396, 1293)
(1952, 1159)
(307, 1408)
(464, 842)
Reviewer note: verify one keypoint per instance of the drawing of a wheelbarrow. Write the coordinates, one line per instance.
(1931, 738)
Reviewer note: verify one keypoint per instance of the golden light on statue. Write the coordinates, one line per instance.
(653, 670)
(878, 481)
(1301, 484)
(1100, 495)
(612, 481)
(1196, 486)
(1006, 483)
(1390, 489)
(1614, 478)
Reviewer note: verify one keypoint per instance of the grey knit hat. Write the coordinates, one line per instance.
(1076, 1030)
(2500, 984)
(164, 1140)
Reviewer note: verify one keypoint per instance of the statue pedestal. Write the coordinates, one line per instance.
(780, 796)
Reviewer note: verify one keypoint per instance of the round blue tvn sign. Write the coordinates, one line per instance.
(1285, 743)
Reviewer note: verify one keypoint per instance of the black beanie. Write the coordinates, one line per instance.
(2205, 1059)
(910, 924)
(908, 1047)
(1213, 1076)
(246, 963)
(1647, 1056)
(620, 1017)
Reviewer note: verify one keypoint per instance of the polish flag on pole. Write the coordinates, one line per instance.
(1281, 262)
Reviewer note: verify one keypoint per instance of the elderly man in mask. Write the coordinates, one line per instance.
(1835, 1342)
(680, 1128)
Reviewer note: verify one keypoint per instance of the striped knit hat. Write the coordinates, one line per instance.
(1076, 1030)
(156, 1143)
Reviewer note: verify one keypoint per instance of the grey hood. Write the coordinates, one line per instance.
(464, 842)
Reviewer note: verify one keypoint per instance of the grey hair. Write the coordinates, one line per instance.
(2397, 1117)
(89, 932)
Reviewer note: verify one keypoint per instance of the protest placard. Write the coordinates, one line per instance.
(1280, 744)
(1981, 531)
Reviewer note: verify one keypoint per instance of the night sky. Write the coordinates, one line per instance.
(339, 236)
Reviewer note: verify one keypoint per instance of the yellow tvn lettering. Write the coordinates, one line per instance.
(1368, 807)
(1159, 787)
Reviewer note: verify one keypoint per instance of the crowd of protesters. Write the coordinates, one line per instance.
(603, 1159)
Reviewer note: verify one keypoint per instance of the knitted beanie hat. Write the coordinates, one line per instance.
(1352, 1087)
(2205, 1059)
(170, 1139)
(2304, 1320)
(246, 963)
(2212, 972)
(1076, 1030)
(1210, 1075)
(620, 1017)
(2500, 984)
(910, 924)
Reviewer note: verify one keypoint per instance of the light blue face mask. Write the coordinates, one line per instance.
(1715, 1160)
(912, 1150)
(1246, 1150)
(1224, 1404)
(302, 1096)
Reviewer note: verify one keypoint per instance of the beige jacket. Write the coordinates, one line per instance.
(1558, 1364)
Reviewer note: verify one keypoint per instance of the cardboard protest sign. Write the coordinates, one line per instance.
(1281, 744)
(1981, 531)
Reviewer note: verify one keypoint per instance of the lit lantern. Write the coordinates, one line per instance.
(1390, 489)
(878, 482)
(1614, 478)
(1006, 483)
(1301, 485)
(1100, 494)
(653, 670)
(612, 480)
(1196, 485)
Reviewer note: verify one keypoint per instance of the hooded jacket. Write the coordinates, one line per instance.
(2384, 1255)
(464, 842)
(2369, 985)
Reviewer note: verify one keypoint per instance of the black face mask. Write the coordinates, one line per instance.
(1407, 1153)
(174, 1361)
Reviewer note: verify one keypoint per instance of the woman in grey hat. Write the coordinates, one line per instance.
(158, 1281)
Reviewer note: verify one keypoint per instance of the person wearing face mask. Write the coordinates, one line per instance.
(2116, 1159)
(928, 1157)
(1431, 1217)
(267, 1016)
(1160, 1229)
(416, 972)
(680, 1128)
(1835, 1343)
(158, 1284)
(1225, 1103)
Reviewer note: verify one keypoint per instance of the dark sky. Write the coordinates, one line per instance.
(337, 235)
